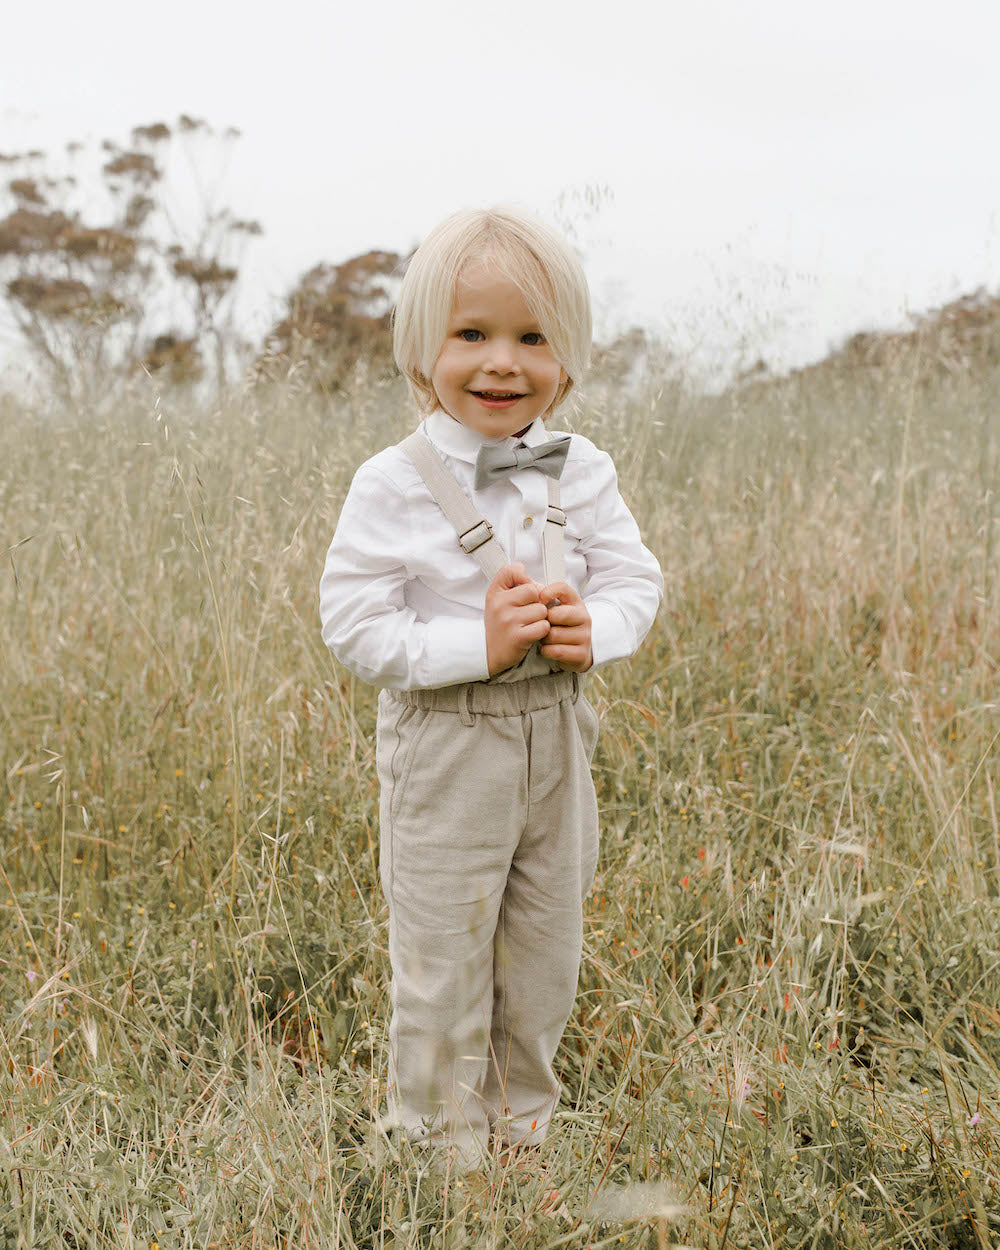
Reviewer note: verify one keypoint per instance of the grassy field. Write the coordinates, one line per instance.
(788, 1023)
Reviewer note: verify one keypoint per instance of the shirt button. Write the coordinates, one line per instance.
(527, 522)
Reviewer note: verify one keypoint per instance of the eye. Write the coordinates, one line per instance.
(463, 333)
(534, 334)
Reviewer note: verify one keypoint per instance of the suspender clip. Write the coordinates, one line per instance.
(475, 537)
(556, 515)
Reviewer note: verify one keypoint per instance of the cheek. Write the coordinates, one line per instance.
(555, 373)
(446, 368)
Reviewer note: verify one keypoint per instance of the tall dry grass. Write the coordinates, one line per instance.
(788, 1016)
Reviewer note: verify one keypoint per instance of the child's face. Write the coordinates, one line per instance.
(494, 344)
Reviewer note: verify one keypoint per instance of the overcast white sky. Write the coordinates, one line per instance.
(783, 172)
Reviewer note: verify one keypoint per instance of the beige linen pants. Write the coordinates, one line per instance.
(488, 849)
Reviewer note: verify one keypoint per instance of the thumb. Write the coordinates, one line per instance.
(511, 575)
(561, 592)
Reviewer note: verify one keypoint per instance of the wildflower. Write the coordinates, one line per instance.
(974, 1120)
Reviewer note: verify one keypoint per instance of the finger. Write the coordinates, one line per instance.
(576, 657)
(569, 614)
(561, 591)
(560, 634)
(532, 612)
(510, 575)
(526, 592)
(520, 575)
(534, 631)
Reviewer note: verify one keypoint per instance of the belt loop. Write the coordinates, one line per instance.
(522, 688)
(576, 686)
(465, 712)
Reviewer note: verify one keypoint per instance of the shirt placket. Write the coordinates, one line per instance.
(529, 518)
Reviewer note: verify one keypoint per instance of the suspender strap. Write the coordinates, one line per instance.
(475, 534)
(552, 537)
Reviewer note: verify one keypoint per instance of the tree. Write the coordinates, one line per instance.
(336, 316)
(96, 298)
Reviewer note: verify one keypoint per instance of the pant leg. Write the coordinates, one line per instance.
(452, 807)
(540, 931)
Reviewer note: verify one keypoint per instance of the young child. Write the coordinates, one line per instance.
(478, 569)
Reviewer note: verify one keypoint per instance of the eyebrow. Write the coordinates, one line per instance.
(486, 319)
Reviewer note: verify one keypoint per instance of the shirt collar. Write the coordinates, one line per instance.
(463, 443)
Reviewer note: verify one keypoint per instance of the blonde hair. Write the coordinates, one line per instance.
(529, 253)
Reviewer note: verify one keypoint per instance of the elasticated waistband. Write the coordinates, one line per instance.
(512, 698)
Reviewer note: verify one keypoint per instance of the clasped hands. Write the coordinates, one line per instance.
(520, 613)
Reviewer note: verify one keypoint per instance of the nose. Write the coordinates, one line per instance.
(501, 358)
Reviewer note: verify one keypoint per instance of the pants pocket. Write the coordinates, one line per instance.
(588, 723)
(397, 730)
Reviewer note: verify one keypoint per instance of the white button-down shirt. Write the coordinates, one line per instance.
(402, 605)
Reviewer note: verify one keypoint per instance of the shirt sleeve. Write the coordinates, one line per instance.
(366, 621)
(624, 582)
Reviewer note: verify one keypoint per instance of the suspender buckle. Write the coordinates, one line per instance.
(556, 515)
(475, 537)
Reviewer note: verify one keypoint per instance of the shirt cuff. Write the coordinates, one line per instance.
(454, 651)
(611, 634)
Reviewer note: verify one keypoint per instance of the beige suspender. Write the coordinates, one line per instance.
(553, 560)
(475, 534)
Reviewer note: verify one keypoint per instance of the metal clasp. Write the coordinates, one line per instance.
(555, 515)
(474, 538)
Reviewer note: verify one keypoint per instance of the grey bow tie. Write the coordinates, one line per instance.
(494, 463)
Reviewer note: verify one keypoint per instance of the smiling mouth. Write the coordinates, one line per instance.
(499, 394)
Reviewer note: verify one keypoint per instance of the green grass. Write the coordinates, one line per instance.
(789, 1008)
